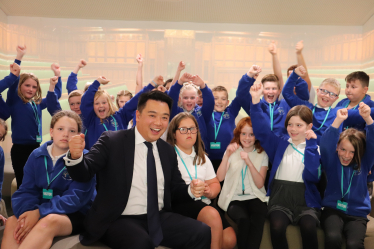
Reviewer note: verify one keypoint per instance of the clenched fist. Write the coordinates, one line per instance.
(76, 146)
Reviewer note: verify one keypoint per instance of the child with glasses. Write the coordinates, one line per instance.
(194, 165)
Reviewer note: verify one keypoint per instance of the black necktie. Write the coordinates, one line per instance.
(153, 214)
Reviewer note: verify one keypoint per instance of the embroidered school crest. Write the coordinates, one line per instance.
(198, 113)
(66, 175)
(280, 110)
(226, 115)
(113, 123)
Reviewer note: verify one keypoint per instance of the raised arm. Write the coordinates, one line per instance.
(208, 106)
(9, 80)
(174, 92)
(288, 94)
(57, 71)
(311, 171)
(4, 109)
(139, 74)
(301, 62)
(181, 67)
(53, 105)
(276, 64)
(72, 82)
(21, 51)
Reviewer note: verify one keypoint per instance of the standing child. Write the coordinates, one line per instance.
(221, 125)
(243, 195)
(294, 198)
(346, 202)
(49, 203)
(194, 165)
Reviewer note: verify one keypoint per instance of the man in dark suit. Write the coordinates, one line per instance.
(139, 179)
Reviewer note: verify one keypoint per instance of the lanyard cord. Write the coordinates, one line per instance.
(115, 123)
(350, 183)
(356, 105)
(35, 109)
(327, 114)
(271, 111)
(186, 165)
(243, 177)
(298, 151)
(46, 169)
(215, 128)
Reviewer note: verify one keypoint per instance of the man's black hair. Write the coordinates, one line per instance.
(154, 95)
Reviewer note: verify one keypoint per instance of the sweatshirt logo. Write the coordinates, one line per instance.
(280, 110)
(198, 113)
(226, 115)
(66, 175)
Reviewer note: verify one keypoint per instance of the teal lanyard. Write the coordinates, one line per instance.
(356, 105)
(115, 123)
(298, 151)
(185, 165)
(46, 169)
(271, 110)
(350, 183)
(327, 114)
(37, 120)
(243, 177)
(215, 128)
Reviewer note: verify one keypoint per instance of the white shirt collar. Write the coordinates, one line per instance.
(139, 139)
(241, 149)
(303, 144)
(326, 108)
(54, 158)
(184, 155)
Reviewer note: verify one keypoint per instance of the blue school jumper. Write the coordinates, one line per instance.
(25, 128)
(71, 84)
(358, 125)
(202, 114)
(4, 109)
(275, 147)
(224, 132)
(278, 109)
(358, 197)
(68, 196)
(118, 121)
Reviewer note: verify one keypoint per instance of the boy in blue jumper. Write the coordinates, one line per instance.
(357, 85)
(99, 113)
(49, 203)
(347, 159)
(220, 127)
(295, 172)
(187, 95)
(275, 110)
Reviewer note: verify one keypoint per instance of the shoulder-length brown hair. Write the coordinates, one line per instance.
(199, 144)
(236, 139)
(358, 141)
(302, 111)
(38, 96)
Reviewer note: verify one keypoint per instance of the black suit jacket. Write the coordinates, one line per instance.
(112, 160)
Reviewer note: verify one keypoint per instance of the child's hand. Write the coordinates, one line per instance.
(309, 134)
(185, 78)
(181, 66)
(53, 81)
(76, 146)
(159, 80)
(272, 48)
(364, 110)
(82, 63)
(244, 156)
(21, 51)
(160, 88)
(56, 69)
(342, 114)
(232, 148)
(139, 59)
(301, 71)
(256, 92)
(15, 69)
(254, 71)
(31, 218)
(102, 80)
(198, 81)
(299, 47)
(207, 191)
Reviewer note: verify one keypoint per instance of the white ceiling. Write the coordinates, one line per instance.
(295, 12)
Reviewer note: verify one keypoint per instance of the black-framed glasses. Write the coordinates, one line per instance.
(184, 130)
(331, 94)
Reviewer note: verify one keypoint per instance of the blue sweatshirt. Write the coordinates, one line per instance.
(225, 133)
(358, 197)
(118, 121)
(71, 84)
(4, 109)
(68, 196)
(276, 146)
(358, 125)
(2, 163)
(202, 114)
(278, 108)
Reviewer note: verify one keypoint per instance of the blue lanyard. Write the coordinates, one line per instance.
(350, 183)
(243, 177)
(185, 165)
(356, 105)
(271, 110)
(115, 123)
(219, 126)
(327, 114)
(298, 151)
(35, 109)
(46, 169)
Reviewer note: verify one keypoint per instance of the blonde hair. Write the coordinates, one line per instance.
(75, 93)
(332, 82)
(38, 95)
(112, 107)
(123, 93)
(188, 86)
(4, 124)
